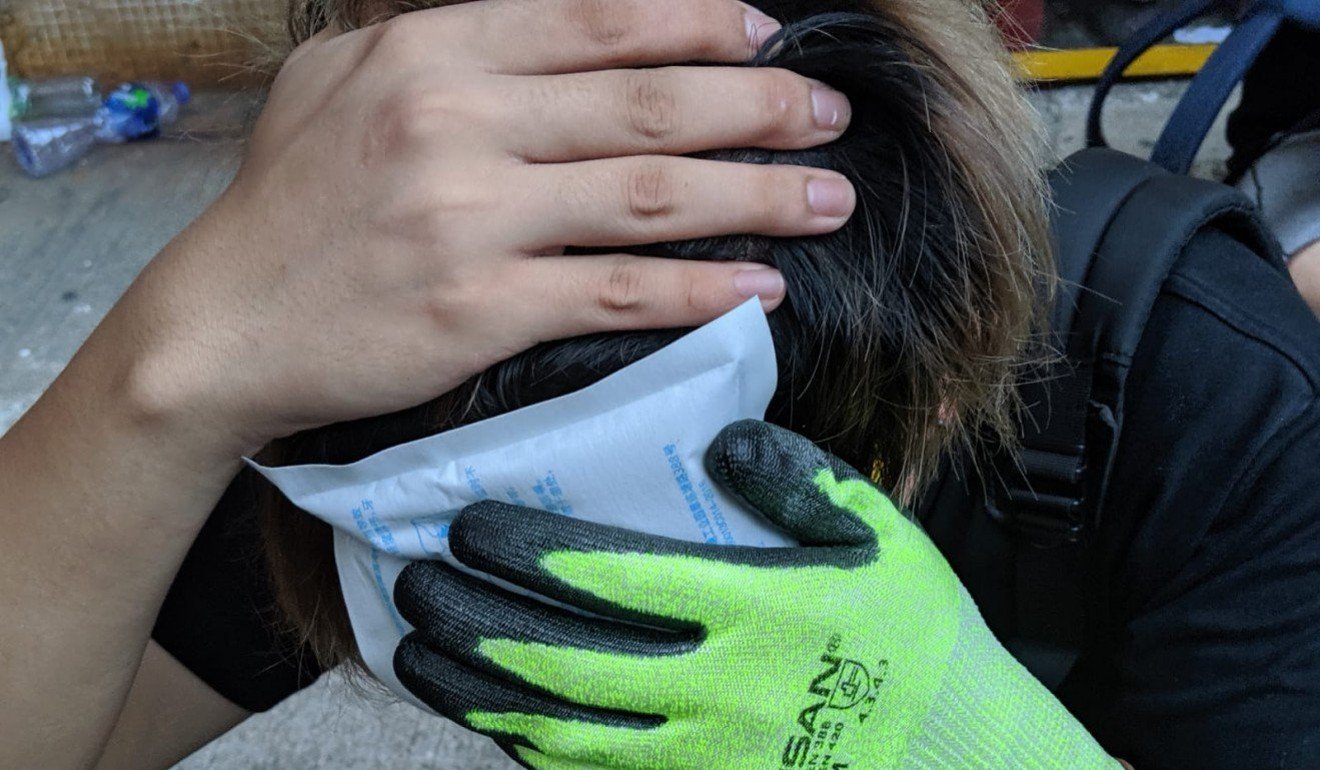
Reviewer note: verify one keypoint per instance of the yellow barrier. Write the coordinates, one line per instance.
(1087, 63)
(211, 41)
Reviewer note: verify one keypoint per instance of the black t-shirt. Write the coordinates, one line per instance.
(1210, 548)
(219, 618)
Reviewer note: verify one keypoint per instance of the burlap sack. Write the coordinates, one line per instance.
(205, 42)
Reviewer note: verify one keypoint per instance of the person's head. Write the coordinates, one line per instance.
(901, 333)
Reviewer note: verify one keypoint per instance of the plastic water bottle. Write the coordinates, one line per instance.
(56, 97)
(6, 98)
(45, 146)
(135, 110)
(132, 111)
(36, 99)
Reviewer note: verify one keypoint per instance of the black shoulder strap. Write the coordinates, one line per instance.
(1120, 225)
(1255, 23)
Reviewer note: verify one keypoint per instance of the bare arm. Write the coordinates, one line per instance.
(1305, 269)
(398, 226)
(101, 500)
(169, 714)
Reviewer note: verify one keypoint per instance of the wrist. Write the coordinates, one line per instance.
(141, 479)
(156, 364)
(991, 712)
(139, 401)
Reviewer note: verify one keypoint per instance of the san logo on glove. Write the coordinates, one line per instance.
(842, 686)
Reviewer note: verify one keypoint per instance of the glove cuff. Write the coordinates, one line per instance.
(991, 712)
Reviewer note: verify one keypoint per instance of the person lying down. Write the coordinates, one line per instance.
(903, 333)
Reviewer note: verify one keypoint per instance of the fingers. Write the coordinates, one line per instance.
(456, 613)
(672, 110)
(529, 724)
(649, 200)
(589, 294)
(465, 695)
(609, 571)
(812, 495)
(554, 36)
(549, 743)
(656, 198)
(535, 760)
(579, 659)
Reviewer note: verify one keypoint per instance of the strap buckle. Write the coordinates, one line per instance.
(1042, 497)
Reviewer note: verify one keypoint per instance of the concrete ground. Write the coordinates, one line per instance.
(70, 245)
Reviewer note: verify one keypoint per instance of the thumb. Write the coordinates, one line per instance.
(811, 494)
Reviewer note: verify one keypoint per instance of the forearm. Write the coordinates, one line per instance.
(169, 713)
(1305, 269)
(103, 493)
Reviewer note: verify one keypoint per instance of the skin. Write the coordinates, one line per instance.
(396, 228)
(1305, 269)
(169, 713)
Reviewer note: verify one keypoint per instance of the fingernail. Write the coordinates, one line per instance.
(759, 27)
(830, 197)
(829, 108)
(764, 282)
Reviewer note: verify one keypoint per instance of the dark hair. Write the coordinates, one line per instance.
(902, 332)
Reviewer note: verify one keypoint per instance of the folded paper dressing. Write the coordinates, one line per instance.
(627, 451)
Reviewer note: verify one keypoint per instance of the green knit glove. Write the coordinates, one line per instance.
(858, 650)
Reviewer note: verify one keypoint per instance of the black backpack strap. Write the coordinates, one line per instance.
(1120, 225)
(1256, 22)
(1142, 40)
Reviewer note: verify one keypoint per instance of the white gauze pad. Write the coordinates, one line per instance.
(628, 451)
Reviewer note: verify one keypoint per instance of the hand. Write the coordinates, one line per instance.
(859, 649)
(399, 222)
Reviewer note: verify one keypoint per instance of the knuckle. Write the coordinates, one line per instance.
(399, 124)
(452, 303)
(442, 309)
(605, 23)
(651, 106)
(394, 35)
(412, 116)
(622, 289)
(696, 297)
(298, 53)
(780, 93)
(650, 192)
(427, 223)
(714, 28)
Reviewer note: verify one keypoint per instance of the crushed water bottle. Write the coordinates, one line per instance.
(136, 110)
(132, 111)
(45, 146)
